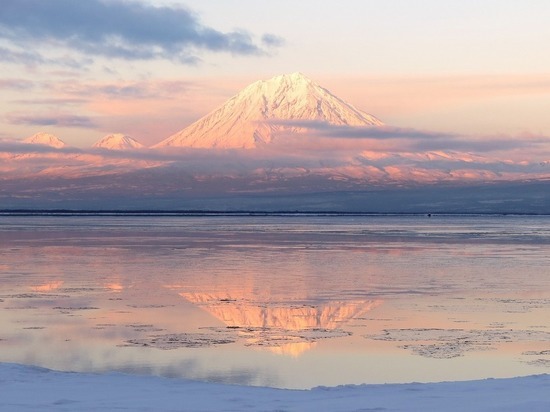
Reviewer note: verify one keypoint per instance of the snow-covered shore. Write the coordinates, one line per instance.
(31, 388)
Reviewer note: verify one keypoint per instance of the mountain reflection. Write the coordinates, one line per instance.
(114, 287)
(288, 328)
(47, 287)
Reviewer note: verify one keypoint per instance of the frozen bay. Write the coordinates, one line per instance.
(281, 301)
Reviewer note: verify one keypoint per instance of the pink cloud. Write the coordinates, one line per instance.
(51, 119)
(395, 95)
(147, 110)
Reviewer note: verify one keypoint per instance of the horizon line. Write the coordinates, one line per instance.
(240, 213)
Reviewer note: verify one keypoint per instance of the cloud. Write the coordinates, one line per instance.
(146, 109)
(361, 132)
(129, 90)
(409, 139)
(28, 58)
(32, 58)
(120, 29)
(53, 101)
(189, 173)
(17, 84)
(451, 102)
(486, 145)
(62, 120)
(272, 40)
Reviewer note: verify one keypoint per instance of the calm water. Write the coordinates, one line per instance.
(290, 302)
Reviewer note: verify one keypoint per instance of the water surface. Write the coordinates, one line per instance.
(284, 301)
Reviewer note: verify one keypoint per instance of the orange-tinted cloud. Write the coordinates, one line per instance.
(398, 95)
(146, 110)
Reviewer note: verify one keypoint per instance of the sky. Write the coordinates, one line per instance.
(463, 89)
(148, 68)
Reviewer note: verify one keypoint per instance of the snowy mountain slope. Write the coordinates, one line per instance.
(251, 117)
(11, 161)
(45, 139)
(33, 160)
(118, 141)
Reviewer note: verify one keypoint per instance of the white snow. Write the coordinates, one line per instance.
(32, 388)
(45, 139)
(118, 141)
(247, 119)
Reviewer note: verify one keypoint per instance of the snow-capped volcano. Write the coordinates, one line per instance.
(256, 114)
(118, 141)
(45, 139)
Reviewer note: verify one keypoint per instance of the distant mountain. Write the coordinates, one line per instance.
(45, 139)
(255, 115)
(118, 141)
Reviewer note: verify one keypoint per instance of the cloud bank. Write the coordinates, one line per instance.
(117, 29)
(396, 139)
(271, 178)
(325, 155)
(52, 119)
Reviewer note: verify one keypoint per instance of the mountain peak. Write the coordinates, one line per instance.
(249, 119)
(118, 141)
(296, 77)
(45, 139)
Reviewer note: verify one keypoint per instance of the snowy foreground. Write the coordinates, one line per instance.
(32, 388)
